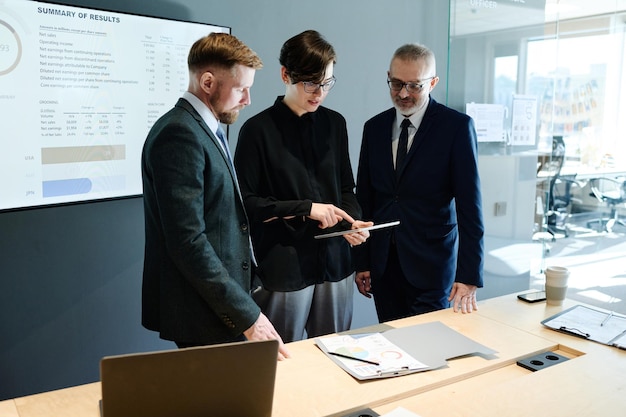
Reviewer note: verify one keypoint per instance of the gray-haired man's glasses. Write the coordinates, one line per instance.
(411, 87)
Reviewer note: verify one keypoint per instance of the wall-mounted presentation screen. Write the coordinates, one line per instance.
(79, 90)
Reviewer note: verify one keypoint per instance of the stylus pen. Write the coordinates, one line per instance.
(606, 319)
(353, 358)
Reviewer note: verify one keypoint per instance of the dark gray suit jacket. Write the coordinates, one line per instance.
(197, 267)
(436, 197)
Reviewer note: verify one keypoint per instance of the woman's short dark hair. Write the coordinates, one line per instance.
(306, 56)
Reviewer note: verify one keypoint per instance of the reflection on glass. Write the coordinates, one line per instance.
(505, 80)
(569, 56)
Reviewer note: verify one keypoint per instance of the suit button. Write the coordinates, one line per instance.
(245, 265)
(244, 227)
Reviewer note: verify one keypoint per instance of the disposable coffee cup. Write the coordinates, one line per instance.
(556, 284)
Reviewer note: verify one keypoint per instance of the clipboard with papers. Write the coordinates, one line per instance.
(394, 352)
(361, 229)
(604, 327)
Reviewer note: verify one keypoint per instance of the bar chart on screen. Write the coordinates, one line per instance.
(79, 90)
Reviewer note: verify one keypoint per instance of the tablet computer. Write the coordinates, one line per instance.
(349, 231)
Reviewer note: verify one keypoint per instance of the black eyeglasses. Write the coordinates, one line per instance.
(411, 87)
(311, 87)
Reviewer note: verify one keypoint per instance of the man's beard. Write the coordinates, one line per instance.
(226, 117)
(408, 106)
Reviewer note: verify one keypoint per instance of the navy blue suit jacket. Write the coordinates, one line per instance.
(197, 267)
(436, 196)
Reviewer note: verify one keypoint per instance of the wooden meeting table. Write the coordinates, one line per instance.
(591, 383)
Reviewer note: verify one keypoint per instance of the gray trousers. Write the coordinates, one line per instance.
(310, 312)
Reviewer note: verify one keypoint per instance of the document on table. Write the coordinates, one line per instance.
(620, 341)
(399, 351)
(369, 356)
(600, 326)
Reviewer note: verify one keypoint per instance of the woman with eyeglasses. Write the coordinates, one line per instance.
(296, 182)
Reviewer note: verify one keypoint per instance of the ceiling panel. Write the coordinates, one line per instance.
(480, 16)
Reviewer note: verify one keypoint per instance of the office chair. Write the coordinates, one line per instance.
(612, 193)
(559, 202)
(559, 195)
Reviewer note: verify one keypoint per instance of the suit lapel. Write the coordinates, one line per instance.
(382, 148)
(187, 106)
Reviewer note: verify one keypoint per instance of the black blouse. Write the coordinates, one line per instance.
(284, 164)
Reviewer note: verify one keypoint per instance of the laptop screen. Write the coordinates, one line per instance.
(232, 379)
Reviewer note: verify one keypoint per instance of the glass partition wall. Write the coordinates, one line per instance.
(545, 81)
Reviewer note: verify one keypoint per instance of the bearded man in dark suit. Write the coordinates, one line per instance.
(198, 256)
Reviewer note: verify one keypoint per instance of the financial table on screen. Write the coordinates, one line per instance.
(79, 90)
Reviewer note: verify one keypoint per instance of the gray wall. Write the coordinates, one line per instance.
(70, 276)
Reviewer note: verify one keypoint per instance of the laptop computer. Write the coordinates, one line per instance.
(231, 379)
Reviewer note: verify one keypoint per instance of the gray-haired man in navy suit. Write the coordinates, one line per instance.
(198, 258)
(418, 164)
